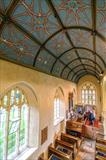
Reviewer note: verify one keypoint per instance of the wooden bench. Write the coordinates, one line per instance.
(61, 155)
(101, 147)
(100, 151)
(99, 158)
(67, 145)
(71, 139)
(74, 128)
(101, 139)
(53, 156)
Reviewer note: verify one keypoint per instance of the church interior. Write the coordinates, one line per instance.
(52, 79)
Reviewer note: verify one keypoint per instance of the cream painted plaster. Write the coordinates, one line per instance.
(103, 85)
(93, 80)
(44, 87)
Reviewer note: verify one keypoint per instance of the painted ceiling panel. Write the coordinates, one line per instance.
(58, 68)
(44, 61)
(89, 62)
(10, 54)
(17, 46)
(85, 54)
(74, 12)
(71, 74)
(93, 68)
(68, 56)
(58, 44)
(100, 63)
(65, 73)
(78, 68)
(4, 4)
(37, 18)
(54, 36)
(81, 38)
(101, 17)
(74, 63)
(101, 48)
(82, 72)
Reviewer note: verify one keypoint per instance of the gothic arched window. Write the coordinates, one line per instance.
(14, 118)
(59, 109)
(88, 94)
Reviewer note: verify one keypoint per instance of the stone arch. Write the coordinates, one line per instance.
(34, 110)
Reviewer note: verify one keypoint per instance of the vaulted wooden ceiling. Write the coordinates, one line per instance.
(63, 38)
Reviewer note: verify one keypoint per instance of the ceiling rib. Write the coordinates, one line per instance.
(64, 29)
(83, 74)
(29, 35)
(7, 14)
(42, 46)
(11, 8)
(1, 27)
(78, 72)
(93, 4)
(67, 35)
(89, 70)
(85, 59)
(89, 30)
(80, 66)
(74, 27)
(83, 48)
(2, 23)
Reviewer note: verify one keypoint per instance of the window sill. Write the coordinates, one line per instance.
(57, 121)
(26, 154)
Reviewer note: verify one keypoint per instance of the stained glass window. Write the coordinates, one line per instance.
(14, 115)
(88, 94)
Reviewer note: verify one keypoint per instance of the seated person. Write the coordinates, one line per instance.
(91, 118)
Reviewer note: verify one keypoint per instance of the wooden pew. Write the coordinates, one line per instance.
(101, 147)
(53, 156)
(71, 139)
(73, 127)
(101, 139)
(100, 151)
(61, 155)
(66, 145)
(99, 158)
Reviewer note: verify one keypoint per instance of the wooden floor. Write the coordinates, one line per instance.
(87, 150)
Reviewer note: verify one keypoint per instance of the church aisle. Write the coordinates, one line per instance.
(87, 150)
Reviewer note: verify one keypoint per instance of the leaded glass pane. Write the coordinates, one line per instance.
(12, 143)
(23, 125)
(2, 132)
(56, 108)
(12, 98)
(88, 94)
(13, 131)
(5, 100)
(15, 127)
(14, 113)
